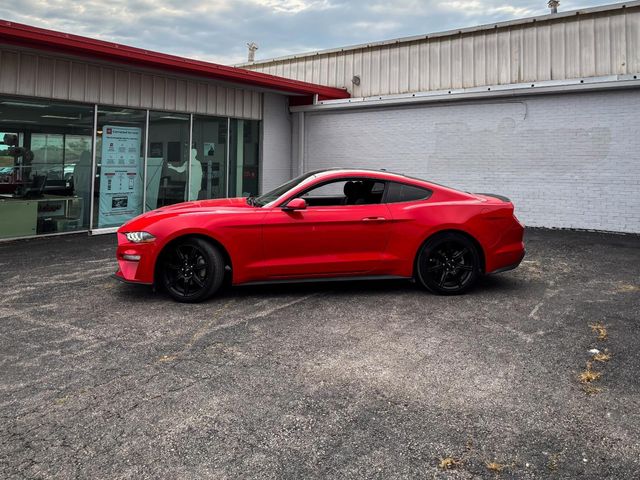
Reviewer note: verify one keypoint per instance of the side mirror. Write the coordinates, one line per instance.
(296, 204)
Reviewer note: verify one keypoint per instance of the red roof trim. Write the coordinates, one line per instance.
(26, 35)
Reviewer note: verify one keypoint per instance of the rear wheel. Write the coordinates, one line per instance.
(448, 264)
(192, 270)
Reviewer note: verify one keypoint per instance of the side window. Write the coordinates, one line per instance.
(333, 189)
(345, 192)
(400, 192)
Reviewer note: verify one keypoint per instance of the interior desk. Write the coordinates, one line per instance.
(22, 217)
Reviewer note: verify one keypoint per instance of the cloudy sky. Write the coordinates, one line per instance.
(218, 30)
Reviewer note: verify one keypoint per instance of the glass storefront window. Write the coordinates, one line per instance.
(244, 157)
(120, 166)
(46, 163)
(167, 159)
(209, 158)
(44, 188)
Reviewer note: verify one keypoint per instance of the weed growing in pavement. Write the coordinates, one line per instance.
(589, 375)
(449, 463)
(591, 390)
(602, 356)
(495, 466)
(600, 330)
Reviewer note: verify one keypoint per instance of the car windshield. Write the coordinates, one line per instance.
(276, 193)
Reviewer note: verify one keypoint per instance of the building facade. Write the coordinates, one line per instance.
(93, 134)
(542, 110)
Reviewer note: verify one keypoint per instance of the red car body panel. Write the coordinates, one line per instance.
(270, 243)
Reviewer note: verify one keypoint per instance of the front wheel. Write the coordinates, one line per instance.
(192, 270)
(448, 264)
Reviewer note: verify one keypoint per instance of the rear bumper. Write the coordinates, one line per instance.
(509, 251)
(510, 266)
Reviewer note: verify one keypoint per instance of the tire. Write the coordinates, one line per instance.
(192, 270)
(448, 264)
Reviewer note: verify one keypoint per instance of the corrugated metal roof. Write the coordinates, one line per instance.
(453, 32)
(594, 42)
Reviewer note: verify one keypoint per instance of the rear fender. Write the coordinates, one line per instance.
(454, 229)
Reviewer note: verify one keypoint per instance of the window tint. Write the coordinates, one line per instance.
(400, 192)
(333, 189)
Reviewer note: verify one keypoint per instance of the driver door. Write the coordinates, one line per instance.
(328, 238)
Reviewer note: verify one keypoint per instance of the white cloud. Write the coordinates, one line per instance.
(477, 7)
(218, 30)
(294, 6)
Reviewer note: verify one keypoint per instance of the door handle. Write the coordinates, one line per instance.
(374, 219)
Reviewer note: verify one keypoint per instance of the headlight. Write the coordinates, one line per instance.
(139, 237)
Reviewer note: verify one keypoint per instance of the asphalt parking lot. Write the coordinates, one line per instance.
(350, 380)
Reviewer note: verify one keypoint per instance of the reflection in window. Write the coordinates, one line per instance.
(40, 145)
(167, 159)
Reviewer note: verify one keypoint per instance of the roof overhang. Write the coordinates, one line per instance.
(50, 40)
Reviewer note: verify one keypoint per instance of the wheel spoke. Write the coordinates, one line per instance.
(198, 281)
(435, 268)
(459, 254)
(442, 278)
(466, 268)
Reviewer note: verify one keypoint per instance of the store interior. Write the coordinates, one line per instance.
(46, 163)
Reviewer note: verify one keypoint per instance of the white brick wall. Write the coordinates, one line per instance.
(276, 142)
(569, 160)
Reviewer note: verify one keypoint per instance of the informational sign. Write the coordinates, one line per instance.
(120, 175)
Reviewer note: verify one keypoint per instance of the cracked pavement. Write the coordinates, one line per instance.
(349, 380)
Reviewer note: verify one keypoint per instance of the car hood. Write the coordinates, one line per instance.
(217, 206)
(225, 203)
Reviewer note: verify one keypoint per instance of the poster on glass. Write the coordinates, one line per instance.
(121, 176)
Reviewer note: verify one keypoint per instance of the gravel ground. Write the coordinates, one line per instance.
(351, 380)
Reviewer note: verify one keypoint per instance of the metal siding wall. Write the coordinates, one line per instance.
(41, 75)
(276, 142)
(587, 45)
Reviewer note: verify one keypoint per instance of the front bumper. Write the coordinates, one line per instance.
(119, 276)
(136, 271)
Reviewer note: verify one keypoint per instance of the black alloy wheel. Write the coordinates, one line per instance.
(448, 264)
(192, 270)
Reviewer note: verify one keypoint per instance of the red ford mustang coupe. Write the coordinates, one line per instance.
(324, 225)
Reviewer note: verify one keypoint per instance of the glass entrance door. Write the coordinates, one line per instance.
(209, 158)
(244, 145)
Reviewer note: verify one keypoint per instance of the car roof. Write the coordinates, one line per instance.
(361, 171)
(381, 174)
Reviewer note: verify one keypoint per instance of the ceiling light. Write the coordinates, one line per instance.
(5, 120)
(61, 117)
(23, 104)
(174, 117)
(108, 112)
